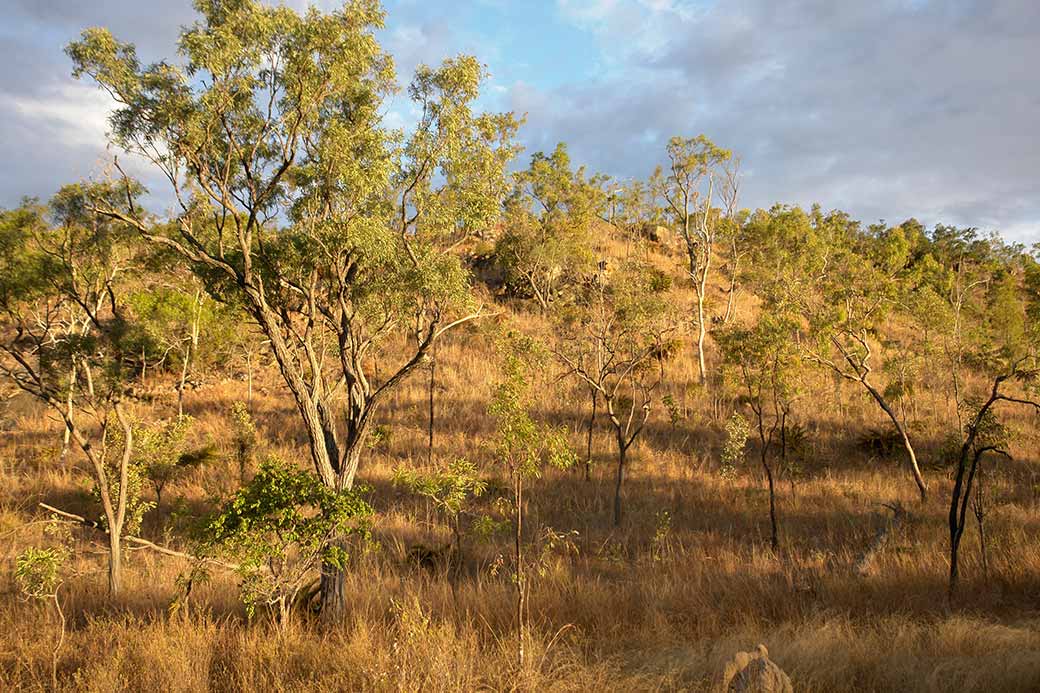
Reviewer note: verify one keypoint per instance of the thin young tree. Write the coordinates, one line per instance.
(700, 187)
(524, 446)
(612, 341)
(48, 272)
(295, 197)
(765, 358)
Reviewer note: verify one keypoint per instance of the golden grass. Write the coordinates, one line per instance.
(624, 612)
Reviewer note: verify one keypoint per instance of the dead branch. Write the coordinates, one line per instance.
(138, 541)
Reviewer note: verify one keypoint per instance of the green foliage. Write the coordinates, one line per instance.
(169, 323)
(326, 215)
(380, 436)
(244, 437)
(660, 543)
(60, 292)
(522, 444)
(738, 430)
(990, 432)
(546, 247)
(308, 90)
(449, 488)
(114, 449)
(280, 527)
(38, 571)
(765, 353)
(486, 526)
(675, 413)
(163, 451)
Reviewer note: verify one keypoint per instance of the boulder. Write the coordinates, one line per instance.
(754, 672)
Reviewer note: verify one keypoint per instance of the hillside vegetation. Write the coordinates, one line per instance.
(376, 410)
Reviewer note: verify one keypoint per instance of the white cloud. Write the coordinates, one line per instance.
(75, 115)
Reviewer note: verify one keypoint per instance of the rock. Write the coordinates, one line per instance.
(754, 672)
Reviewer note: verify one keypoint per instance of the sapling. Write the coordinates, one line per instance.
(450, 490)
(243, 430)
(524, 447)
(39, 573)
(163, 452)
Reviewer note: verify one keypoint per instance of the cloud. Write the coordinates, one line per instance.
(73, 115)
(887, 109)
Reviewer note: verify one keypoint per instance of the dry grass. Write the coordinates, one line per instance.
(626, 611)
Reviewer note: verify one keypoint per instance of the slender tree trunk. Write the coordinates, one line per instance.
(774, 541)
(521, 578)
(433, 375)
(61, 639)
(622, 449)
(729, 301)
(958, 514)
(66, 440)
(979, 509)
(701, 333)
(115, 560)
(180, 383)
(915, 469)
(588, 447)
(249, 383)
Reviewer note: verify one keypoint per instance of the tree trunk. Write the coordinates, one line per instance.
(959, 510)
(915, 469)
(180, 383)
(622, 449)
(518, 500)
(701, 332)
(66, 441)
(433, 375)
(249, 383)
(979, 508)
(774, 540)
(588, 451)
(115, 560)
(333, 591)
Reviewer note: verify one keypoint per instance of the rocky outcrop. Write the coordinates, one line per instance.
(754, 672)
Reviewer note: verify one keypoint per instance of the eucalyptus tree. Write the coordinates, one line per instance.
(846, 285)
(765, 357)
(1007, 351)
(956, 272)
(700, 188)
(295, 197)
(546, 243)
(614, 341)
(62, 331)
(524, 447)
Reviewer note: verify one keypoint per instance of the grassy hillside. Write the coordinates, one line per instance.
(659, 604)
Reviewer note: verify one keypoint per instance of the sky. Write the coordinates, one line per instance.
(886, 109)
